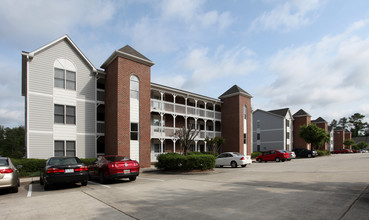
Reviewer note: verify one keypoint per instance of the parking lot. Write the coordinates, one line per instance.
(333, 187)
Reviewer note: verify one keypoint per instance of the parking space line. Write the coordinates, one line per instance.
(29, 194)
(93, 183)
(151, 179)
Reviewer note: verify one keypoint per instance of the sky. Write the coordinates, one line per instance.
(311, 55)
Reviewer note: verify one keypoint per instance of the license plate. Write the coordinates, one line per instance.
(69, 171)
(127, 171)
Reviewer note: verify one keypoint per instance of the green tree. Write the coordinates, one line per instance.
(356, 121)
(343, 123)
(186, 137)
(348, 143)
(362, 145)
(214, 144)
(314, 135)
(12, 142)
(333, 123)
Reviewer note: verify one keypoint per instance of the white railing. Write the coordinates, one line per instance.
(100, 95)
(158, 105)
(100, 127)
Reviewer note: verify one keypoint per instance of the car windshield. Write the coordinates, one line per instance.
(4, 162)
(116, 158)
(237, 154)
(64, 161)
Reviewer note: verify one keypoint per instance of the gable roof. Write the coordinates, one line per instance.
(282, 112)
(301, 113)
(235, 90)
(319, 120)
(66, 38)
(129, 53)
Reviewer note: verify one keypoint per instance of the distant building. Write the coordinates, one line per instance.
(323, 124)
(272, 130)
(300, 118)
(340, 135)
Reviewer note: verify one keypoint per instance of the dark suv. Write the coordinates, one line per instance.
(302, 152)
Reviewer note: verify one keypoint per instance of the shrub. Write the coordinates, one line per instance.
(177, 162)
(323, 152)
(200, 153)
(30, 167)
(87, 161)
(255, 154)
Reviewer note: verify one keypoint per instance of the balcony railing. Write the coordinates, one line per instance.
(100, 127)
(100, 95)
(166, 132)
(158, 105)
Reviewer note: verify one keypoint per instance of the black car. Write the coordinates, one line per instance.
(302, 152)
(60, 170)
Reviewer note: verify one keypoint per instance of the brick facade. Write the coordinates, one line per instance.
(299, 121)
(232, 123)
(117, 110)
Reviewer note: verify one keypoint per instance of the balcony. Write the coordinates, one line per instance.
(100, 95)
(100, 127)
(163, 106)
(167, 133)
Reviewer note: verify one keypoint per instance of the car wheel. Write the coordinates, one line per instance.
(133, 178)
(277, 159)
(101, 177)
(283, 160)
(221, 166)
(233, 164)
(15, 188)
(309, 155)
(84, 183)
(260, 160)
(46, 186)
(243, 165)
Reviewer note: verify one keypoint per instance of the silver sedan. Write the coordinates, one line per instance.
(9, 176)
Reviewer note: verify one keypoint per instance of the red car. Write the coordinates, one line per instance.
(340, 151)
(113, 167)
(274, 155)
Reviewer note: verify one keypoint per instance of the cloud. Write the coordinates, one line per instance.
(191, 13)
(290, 15)
(331, 73)
(11, 101)
(206, 66)
(50, 19)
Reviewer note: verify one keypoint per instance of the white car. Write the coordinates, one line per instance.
(232, 159)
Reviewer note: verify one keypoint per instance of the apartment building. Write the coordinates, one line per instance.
(74, 108)
(272, 130)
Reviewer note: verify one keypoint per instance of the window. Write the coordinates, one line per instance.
(245, 112)
(59, 114)
(134, 131)
(134, 87)
(70, 116)
(244, 138)
(64, 74)
(288, 135)
(64, 79)
(64, 114)
(65, 148)
(258, 124)
(257, 136)
(287, 123)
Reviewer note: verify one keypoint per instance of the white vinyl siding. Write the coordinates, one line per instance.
(86, 119)
(79, 91)
(86, 147)
(134, 115)
(41, 145)
(41, 114)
